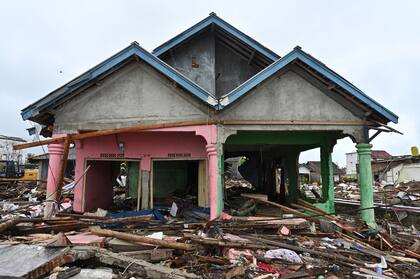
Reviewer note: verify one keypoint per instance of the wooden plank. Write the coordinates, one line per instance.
(143, 239)
(139, 188)
(203, 193)
(60, 178)
(284, 208)
(145, 189)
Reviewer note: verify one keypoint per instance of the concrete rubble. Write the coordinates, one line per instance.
(270, 241)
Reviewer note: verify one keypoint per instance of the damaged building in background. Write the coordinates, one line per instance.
(209, 94)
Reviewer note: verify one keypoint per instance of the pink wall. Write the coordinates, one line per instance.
(100, 194)
(185, 141)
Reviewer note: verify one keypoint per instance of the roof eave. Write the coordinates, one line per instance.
(134, 50)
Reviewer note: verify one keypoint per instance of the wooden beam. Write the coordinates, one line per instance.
(144, 239)
(143, 127)
(60, 179)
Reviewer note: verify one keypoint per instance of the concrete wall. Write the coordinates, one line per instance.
(189, 142)
(202, 48)
(287, 97)
(351, 163)
(135, 94)
(219, 69)
(231, 70)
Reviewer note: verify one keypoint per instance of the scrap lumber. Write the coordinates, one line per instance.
(138, 128)
(55, 228)
(142, 218)
(145, 269)
(305, 250)
(230, 244)
(144, 239)
(9, 224)
(284, 208)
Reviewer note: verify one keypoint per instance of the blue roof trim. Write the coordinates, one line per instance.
(133, 50)
(297, 53)
(214, 19)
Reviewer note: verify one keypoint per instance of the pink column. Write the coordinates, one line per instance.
(55, 152)
(212, 168)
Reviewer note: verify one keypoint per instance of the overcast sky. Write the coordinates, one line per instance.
(373, 44)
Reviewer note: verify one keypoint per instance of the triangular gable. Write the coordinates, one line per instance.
(134, 50)
(214, 19)
(298, 54)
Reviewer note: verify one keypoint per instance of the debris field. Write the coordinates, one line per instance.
(296, 241)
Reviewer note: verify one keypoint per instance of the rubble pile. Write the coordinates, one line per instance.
(301, 241)
(404, 193)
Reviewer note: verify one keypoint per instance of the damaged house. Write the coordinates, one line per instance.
(207, 94)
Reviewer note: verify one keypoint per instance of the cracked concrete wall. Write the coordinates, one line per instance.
(136, 94)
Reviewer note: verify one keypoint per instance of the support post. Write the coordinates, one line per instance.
(213, 171)
(221, 184)
(364, 151)
(55, 152)
(292, 170)
(327, 174)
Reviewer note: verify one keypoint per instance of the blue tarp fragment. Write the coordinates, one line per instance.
(156, 213)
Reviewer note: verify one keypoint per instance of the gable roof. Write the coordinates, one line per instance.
(315, 166)
(214, 19)
(111, 64)
(38, 110)
(380, 155)
(298, 54)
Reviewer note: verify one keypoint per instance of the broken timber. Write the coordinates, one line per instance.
(74, 137)
(143, 239)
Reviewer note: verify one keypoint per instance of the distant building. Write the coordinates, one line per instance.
(352, 161)
(42, 160)
(396, 169)
(311, 172)
(6, 149)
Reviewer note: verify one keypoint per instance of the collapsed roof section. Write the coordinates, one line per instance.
(229, 84)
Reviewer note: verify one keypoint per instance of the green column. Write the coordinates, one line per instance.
(292, 171)
(364, 151)
(220, 184)
(327, 174)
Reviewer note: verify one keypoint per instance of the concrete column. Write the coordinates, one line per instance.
(364, 151)
(292, 170)
(327, 174)
(212, 172)
(220, 183)
(55, 152)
